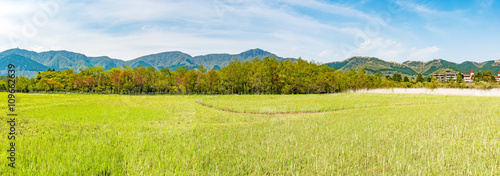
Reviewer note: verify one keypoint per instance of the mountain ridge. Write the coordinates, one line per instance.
(412, 68)
(62, 59)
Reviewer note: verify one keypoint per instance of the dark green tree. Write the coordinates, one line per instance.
(406, 79)
(420, 78)
(396, 77)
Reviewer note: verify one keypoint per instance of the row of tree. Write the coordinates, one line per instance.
(259, 76)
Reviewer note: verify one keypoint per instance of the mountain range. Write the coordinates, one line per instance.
(29, 63)
(412, 68)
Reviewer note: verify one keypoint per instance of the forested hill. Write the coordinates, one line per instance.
(32, 62)
(411, 68)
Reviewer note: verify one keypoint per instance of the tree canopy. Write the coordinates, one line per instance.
(258, 76)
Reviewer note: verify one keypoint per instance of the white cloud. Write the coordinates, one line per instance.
(419, 8)
(382, 48)
(332, 8)
(436, 30)
(393, 50)
(431, 13)
(424, 53)
(325, 53)
(485, 3)
(128, 29)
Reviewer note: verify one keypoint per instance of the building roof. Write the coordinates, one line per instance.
(466, 75)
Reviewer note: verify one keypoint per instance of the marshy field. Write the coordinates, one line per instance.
(328, 134)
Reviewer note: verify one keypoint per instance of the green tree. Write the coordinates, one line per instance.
(388, 77)
(406, 79)
(478, 77)
(460, 78)
(396, 77)
(420, 78)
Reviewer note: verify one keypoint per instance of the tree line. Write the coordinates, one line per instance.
(258, 76)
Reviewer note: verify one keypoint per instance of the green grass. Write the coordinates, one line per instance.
(176, 135)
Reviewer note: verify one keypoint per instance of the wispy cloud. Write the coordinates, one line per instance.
(426, 11)
(424, 53)
(311, 29)
(436, 30)
(382, 48)
(336, 9)
(395, 51)
(485, 3)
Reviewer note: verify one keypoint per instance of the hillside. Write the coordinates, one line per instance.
(372, 65)
(222, 60)
(32, 62)
(411, 68)
(24, 66)
(61, 60)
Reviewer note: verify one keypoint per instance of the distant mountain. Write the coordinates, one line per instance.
(427, 68)
(172, 60)
(176, 59)
(222, 60)
(372, 65)
(24, 66)
(375, 65)
(61, 60)
(106, 62)
(31, 62)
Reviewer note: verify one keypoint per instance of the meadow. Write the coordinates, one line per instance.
(327, 134)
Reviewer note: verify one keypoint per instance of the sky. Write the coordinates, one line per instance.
(315, 30)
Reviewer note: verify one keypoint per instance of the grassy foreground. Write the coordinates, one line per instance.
(263, 135)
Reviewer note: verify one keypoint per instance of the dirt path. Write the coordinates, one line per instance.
(312, 112)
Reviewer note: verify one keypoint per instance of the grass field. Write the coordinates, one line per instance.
(253, 135)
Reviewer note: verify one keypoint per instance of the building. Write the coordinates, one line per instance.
(498, 77)
(468, 78)
(446, 76)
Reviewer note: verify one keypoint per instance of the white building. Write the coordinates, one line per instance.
(468, 78)
(447, 76)
(498, 77)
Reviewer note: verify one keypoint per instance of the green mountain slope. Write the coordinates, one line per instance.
(24, 66)
(170, 60)
(411, 68)
(61, 60)
(221, 60)
(372, 65)
(106, 62)
(428, 68)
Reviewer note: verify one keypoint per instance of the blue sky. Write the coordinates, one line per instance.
(319, 30)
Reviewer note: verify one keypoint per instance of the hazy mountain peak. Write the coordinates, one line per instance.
(169, 53)
(256, 51)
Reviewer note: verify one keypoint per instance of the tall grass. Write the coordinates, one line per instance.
(175, 135)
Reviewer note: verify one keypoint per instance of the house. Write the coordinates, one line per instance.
(498, 77)
(468, 78)
(447, 76)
